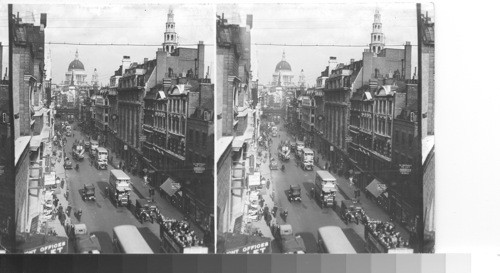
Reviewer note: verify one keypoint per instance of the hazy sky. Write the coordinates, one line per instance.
(131, 24)
(4, 37)
(344, 24)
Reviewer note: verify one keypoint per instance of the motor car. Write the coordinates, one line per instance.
(88, 192)
(273, 164)
(294, 193)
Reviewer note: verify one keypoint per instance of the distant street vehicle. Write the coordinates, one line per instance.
(101, 161)
(88, 192)
(120, 187)
(288, 242)
(127, 239)
(85, 243)
(273, 164)
(68, 164)
(325, 188)
(332, 240)
(307, 159)
(93, 148)
(294, 193)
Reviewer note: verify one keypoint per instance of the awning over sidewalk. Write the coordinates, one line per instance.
(230, 243)
(376, 188)
(49, 179)
(254, 180)
(170, 186)
(35, 143)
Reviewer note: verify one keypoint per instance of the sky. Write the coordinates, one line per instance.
(124, 24)
(4, 37)
(342, 24)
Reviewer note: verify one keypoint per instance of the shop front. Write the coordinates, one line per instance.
(378, 193)
(197, 210)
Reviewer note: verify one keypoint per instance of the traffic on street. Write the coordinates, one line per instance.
(101, 198)
(306, 198)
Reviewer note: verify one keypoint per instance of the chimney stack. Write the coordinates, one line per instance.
(332, 64)
(352, 61)
(145, 60)
(407, 62)
(125, 64)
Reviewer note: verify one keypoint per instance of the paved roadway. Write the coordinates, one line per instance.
(307, 216)
(102, 215)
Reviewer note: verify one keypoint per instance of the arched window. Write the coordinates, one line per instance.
(378, 50)
(373, 49)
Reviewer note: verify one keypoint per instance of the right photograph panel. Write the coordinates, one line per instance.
(324, 131)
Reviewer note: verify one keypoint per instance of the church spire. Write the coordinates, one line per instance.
(170, 39)
(377, 36)
(76, 55)
(283, 57)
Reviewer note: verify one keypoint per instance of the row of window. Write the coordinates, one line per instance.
(383, 107)
(383, 126)
(377, 37)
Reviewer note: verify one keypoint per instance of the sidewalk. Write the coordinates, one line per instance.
(56, 224)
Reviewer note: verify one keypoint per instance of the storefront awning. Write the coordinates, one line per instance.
(35, 143)
(254, 180)
(49, 179)
(170, 186)
(376, 188)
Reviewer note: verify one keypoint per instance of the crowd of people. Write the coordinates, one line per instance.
(181, 232)
(386, 234)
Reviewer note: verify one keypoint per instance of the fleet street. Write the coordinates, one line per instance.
(328, 161)
(121, 163)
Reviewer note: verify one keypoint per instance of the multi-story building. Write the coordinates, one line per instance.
(111, 93)
(101, 115)
(236, 117)
(307, 114)
(404, 195)
(338, 91)
(131, 91)
(31, 119)
(199, 191)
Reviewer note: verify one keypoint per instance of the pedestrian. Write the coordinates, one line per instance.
(56, 202)
(268, 218)
(268, 183)
(68, 210)
(261, 202)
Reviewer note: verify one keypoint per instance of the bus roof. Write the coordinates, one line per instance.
(307, 150)
(101, 149)
(325, 175)
(131, 240)
(119, 174)
(335, 240)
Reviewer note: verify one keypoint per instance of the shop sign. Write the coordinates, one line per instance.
(51, 248)
(331, 148)
(405, 169)
(125, 147)
(251, 249)
(199, 167)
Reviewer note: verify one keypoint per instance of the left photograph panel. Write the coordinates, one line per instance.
(113, 128)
